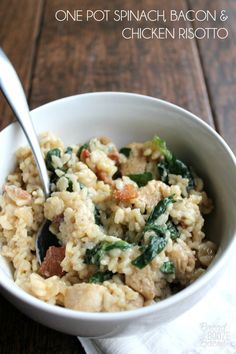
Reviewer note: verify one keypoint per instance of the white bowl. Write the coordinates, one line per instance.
(130, 117)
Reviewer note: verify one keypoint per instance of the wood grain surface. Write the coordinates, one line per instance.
(19, 29)
(92, 56)
(218, 59)
(56, 59)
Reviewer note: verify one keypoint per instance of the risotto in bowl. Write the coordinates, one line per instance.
(137, 218)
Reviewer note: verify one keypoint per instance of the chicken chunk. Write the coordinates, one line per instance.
(136, 163)
(102, 298)
(85, 297)
(184, 260)
(119, 297)
(18, 195)
(142, 280)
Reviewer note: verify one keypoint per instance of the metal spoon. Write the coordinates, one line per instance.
(12, 89)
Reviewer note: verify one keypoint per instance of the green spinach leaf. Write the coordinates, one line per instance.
(48, 160)
(122, 245)
(125, 151)
(94, 255)
(159, 230)
(175, 167)
(167, 267)
(141, 178)
(161, 145)
(97, 216)
(174, 232)
(54, 178)
(172, 165)
(70, 185)
(100, 277)
(158, 210)
(155, 246)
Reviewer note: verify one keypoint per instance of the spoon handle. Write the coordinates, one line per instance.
(14, 93)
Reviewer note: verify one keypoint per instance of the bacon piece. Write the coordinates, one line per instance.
(51, 264)
(114, 156)
(102, 176)
(85, 153)
(128, 192)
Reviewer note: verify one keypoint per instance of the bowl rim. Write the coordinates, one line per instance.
(198, 284)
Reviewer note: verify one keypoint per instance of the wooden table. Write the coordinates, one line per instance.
(56, 59)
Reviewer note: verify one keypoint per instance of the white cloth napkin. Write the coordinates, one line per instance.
(209, 327)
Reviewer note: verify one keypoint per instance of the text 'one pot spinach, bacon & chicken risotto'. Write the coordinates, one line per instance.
(129, 224)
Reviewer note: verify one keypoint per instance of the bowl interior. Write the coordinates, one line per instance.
(129, 117)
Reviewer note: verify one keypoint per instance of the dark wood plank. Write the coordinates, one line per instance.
(20, 335)
(20, 25)
(75, 57)
(18, 33)
(218, 59)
